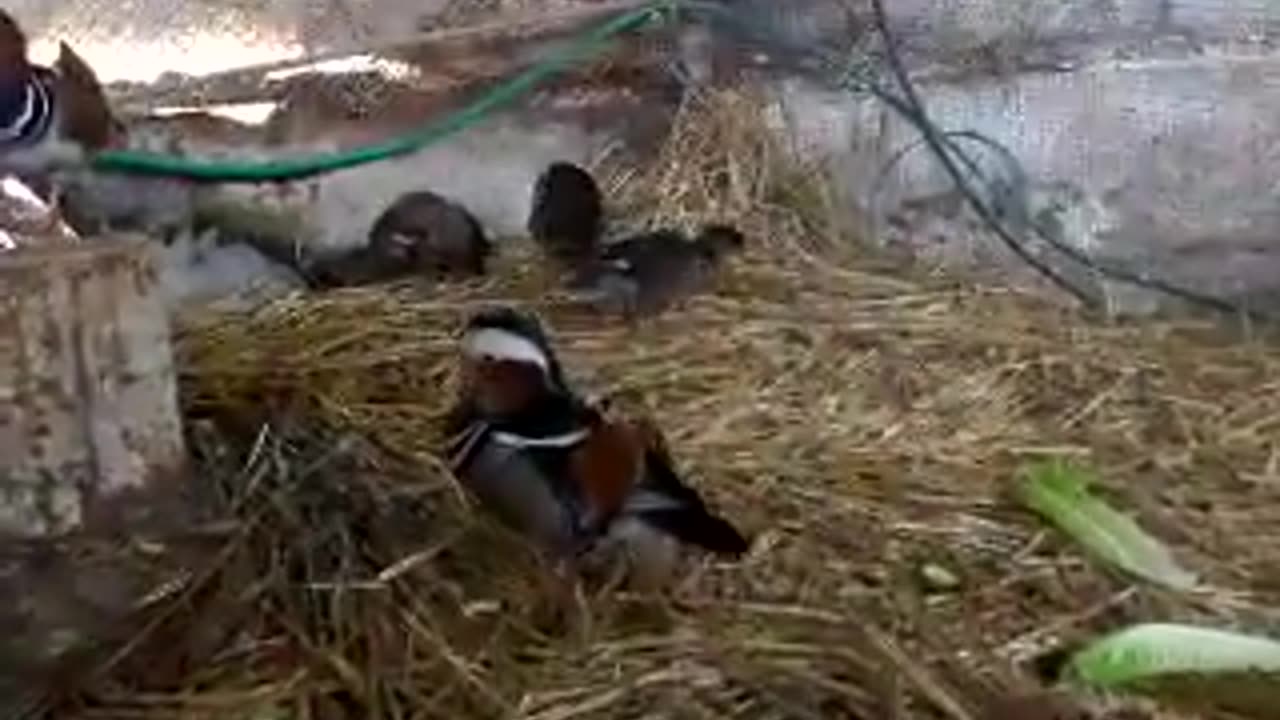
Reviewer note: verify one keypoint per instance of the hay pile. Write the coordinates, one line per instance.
(861, 424)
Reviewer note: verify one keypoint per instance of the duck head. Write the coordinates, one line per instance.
(432, 234)
(508, 362)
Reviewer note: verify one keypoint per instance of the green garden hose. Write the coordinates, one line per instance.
(223, 171)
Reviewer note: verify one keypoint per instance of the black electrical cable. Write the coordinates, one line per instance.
(1115, 273)
(941, 150)
(816, 62)
(910, 108)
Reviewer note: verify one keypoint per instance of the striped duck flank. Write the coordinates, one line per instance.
(557, 468)
(26, 91)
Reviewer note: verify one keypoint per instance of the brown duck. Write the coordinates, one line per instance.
(421, 234)
(647, 273)
(566, 214)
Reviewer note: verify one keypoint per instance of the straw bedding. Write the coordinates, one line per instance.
(863, 423)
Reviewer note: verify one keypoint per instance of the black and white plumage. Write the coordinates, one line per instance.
(26, 92)
(566, 214)
(26, 108)
(561, 470)
(646, 273)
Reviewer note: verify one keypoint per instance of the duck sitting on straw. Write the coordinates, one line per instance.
(421, 234)
(579, 484)
(642, 274)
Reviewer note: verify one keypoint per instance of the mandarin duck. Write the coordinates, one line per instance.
(50, 118)
(421, 233)
(646, 273)
(561, 471)
(566, 214)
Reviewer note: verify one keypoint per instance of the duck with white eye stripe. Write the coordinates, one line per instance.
(558, 469)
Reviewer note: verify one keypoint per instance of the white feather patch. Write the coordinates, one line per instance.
(568, 439)
(647, 500)
(503, 345)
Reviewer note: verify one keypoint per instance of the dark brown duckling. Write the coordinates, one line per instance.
(566, 214)
(420, 234)
(644, 274)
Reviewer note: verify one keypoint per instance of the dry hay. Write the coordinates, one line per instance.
(860, 424)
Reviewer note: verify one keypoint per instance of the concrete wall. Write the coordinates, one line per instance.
(1145, 127)
(138, 39)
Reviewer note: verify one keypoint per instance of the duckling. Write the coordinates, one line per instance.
(646, 273)
(422, 233)
(50, 118)
(566, 214)
(560, 470)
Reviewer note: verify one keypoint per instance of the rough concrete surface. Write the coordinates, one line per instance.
(1148, 140)
(89, 409)
(91, 447)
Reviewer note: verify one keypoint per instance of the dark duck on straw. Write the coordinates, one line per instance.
(561, 471)
(647, 273)
(50, 118)
(421, 234)
(566, 214)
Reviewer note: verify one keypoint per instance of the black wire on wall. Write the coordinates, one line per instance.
(762, 26)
